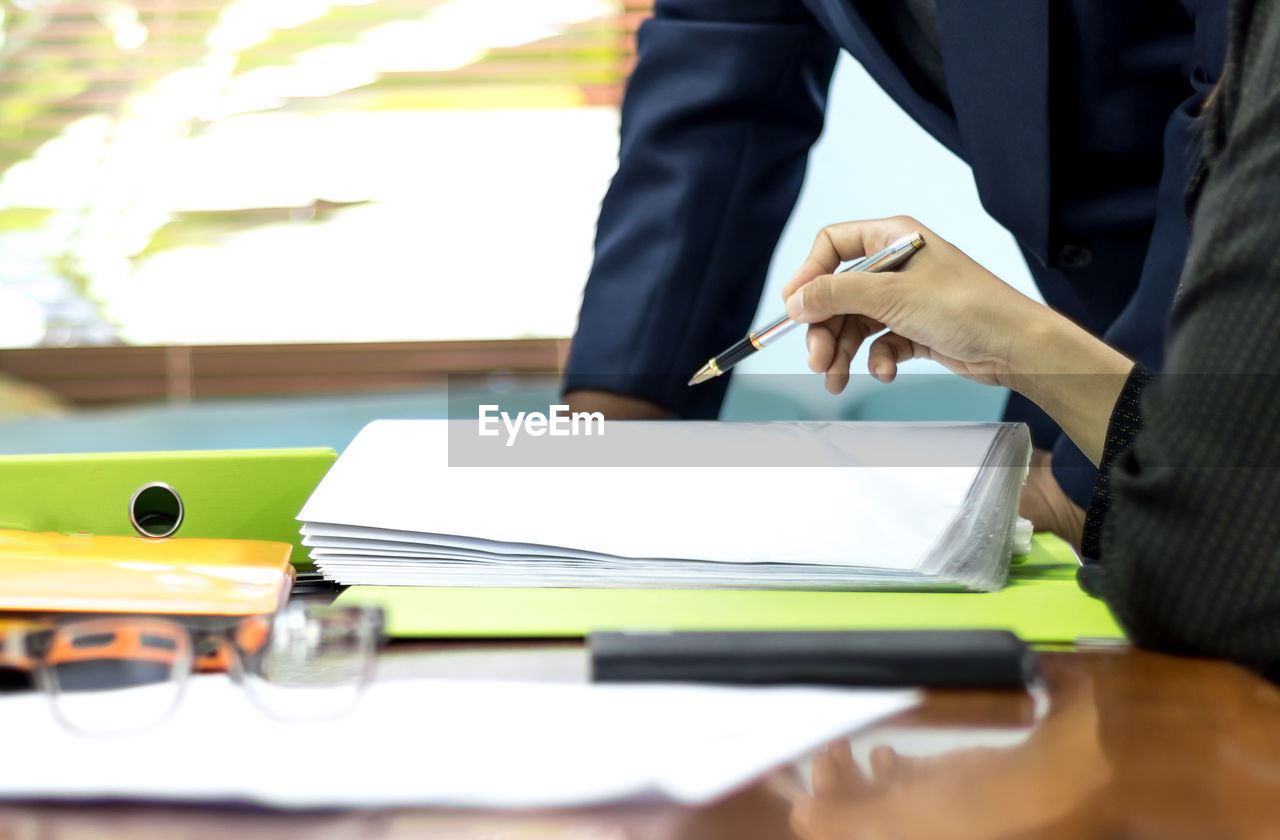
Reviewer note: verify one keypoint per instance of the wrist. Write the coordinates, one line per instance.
(1034, 349)
(1073, 375)
(1051, 355)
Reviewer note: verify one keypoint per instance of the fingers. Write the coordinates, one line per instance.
(884, 760)
(846, 345)
(833, 343)
(821, 343)
(850, 293)
(844, 309)
(824, 257)
(886, 353)
(1047, 505)
(836, 773)
(851, 775)
(826, 776)
(839, 243)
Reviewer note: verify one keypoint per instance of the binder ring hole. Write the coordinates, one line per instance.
(155, 510)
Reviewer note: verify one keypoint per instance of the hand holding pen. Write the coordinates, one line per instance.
(945, 307)
(885, 259)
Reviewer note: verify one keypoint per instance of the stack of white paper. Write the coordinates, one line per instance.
(800, 505)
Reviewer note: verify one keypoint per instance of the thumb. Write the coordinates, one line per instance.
(847, 293)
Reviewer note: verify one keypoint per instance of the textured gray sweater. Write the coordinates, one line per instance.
(1185, 521)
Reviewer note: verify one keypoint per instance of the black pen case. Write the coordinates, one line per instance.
(927, 658)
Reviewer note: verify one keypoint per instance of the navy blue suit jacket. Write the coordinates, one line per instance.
(1076, 116)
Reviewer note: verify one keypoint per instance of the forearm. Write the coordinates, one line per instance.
(720, 112)
(1074, 376)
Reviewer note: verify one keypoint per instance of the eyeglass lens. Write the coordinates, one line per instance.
(313, 664)
(116, 675)
(307, 662)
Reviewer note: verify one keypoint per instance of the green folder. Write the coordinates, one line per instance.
(1041, 603)
(226, 494)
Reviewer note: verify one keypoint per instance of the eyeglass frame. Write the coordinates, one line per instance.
(193, 633)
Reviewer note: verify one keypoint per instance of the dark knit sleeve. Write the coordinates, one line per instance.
(1126, 421)
(1189, 546)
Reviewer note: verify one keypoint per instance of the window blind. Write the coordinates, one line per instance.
(160, 158)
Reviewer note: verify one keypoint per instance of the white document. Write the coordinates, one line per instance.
(438, 742)
(833, 505)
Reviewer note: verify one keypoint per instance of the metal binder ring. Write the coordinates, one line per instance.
(155, 510)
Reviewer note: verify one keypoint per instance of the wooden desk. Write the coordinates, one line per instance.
(1122, 744)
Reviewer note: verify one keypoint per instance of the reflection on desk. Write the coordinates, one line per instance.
(1131, 744)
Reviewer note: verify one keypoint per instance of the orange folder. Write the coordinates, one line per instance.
(69, 573)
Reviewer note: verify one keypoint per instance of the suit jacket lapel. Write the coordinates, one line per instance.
(995, 54)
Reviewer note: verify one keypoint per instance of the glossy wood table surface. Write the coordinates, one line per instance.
(1120, 744)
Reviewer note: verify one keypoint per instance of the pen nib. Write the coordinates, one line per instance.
(707, 371)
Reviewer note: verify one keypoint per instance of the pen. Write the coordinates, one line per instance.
(890, 257)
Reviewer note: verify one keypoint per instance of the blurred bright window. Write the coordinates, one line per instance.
(279, 171)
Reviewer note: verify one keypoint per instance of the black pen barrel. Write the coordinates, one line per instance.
(735, 354)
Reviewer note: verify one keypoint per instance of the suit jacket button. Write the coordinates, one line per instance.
(1073, 255)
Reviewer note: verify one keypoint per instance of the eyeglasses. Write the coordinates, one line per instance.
(120, 675)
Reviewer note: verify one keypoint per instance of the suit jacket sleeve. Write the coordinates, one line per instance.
(1190, 545)
(726, 98)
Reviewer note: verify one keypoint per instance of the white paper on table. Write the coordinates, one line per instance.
(395, 476)
(438, 742)
(409, 542)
